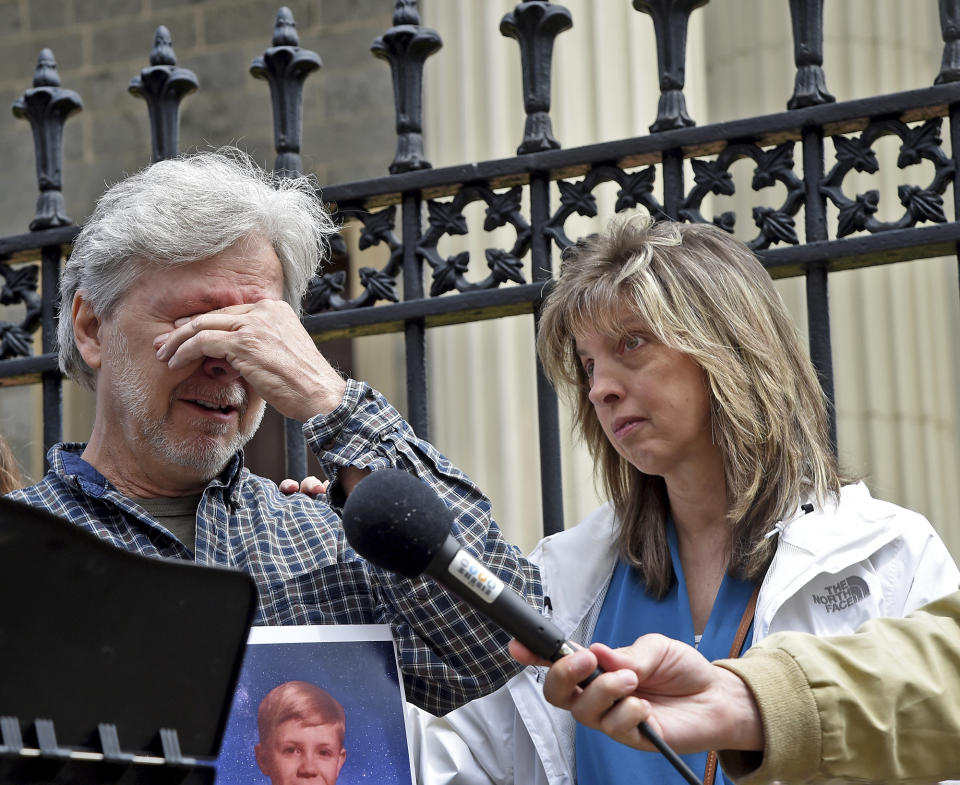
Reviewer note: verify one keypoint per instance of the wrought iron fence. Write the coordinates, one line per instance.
(806, 152)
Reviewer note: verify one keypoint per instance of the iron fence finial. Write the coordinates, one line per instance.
(47, 106)
(285, 29)
(535, 25)
(810, 87)
(405, 12)
(950, 31)
(285, 67)
(406, 47)
(162, 52)
(163, 85)
(670, 20)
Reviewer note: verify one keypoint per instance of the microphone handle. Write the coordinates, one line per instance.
(651, 735)
(473, 582)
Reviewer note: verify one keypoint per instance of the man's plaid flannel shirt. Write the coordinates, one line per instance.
(294, 548)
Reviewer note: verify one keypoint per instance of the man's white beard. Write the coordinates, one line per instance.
(202, 451)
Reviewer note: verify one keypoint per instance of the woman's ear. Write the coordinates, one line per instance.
(86, 331)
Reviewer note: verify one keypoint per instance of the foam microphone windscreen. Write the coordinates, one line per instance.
(396, 521)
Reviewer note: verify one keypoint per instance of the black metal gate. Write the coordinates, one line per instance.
(808, 150)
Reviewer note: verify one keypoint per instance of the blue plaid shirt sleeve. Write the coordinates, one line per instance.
(294, 547)
(450, 653)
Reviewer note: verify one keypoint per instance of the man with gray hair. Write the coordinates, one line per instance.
(179, 310)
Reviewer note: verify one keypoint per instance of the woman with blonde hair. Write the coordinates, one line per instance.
(728, 516)
(10, 476)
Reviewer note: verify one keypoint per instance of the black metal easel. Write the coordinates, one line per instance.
(114, 668)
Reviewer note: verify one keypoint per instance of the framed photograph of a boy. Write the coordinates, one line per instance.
(317, 703)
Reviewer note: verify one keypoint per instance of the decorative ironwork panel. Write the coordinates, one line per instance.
(19, 287)
(920, 203)
(326, 291)
(636, 188)
(443, 218)
(776, 224)
(446, 218)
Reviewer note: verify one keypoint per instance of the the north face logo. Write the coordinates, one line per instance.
(842, 595)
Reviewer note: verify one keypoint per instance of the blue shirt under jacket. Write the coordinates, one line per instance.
(628, 612)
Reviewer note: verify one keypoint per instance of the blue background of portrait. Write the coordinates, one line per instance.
(361, 675)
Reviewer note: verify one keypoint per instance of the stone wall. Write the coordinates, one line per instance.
(99, 45)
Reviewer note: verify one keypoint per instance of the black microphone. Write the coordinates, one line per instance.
(396, 521)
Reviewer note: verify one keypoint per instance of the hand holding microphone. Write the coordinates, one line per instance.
(397, 522)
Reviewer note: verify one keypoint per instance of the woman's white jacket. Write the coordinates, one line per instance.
(834, 568)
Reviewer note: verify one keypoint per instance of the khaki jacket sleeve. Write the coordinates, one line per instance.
(882, 704)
